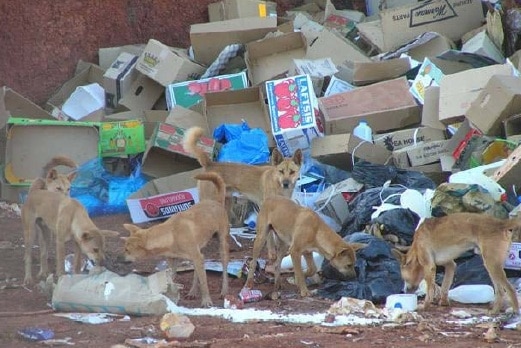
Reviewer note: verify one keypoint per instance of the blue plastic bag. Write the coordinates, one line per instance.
(242, 144)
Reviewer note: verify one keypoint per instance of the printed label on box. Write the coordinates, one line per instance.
(122, 138)
(161, 206)
(513, 260)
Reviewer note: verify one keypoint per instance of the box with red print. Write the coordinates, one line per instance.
(293, 109)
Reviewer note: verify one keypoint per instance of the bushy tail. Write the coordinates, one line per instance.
(217, 181)
(58, 161)
(191, 137)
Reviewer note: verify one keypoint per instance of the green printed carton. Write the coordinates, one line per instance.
(122, 138)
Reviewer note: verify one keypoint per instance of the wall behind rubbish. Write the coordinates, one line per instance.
(42, 41)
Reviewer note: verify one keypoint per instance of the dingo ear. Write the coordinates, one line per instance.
(357, 246)
(52, 174)
(71, 176)
(109, 233)
(398, 255)
(276, 157)
(86, 236)
(297, 157)
(131, 228)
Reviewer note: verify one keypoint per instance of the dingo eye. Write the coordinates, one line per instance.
(96, 250)
(291, 172)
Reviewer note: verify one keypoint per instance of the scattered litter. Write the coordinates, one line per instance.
(176, 326)
(148, 342)
(36, 334)
(350, 305)
(11, 207)
(232, 302)
(456, 334)
(406, 302)
(460, 313)
(250, 295)
(93, 318)
(58, 342)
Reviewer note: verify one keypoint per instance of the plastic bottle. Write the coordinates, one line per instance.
(251, 220)
(472, 293)
(363, 131)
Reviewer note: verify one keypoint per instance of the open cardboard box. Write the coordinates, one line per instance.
(232, 107)
(405, 137)
(271, 57)
(231, 9)
(163, 197)
(149, 118)
(33, 143)
(338, 150)
(165, 154)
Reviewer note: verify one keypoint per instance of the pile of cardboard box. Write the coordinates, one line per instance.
(414, 71)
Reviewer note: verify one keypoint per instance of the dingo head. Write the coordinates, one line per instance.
(344, 261)
(410, 268)
(92, 244)
(288, 169)
(61, 183)
(134, 244)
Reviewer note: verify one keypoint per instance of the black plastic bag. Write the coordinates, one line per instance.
(401, 222)
(373, 175)
(378, 273)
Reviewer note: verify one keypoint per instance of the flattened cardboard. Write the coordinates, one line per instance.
(419, 154)
(452, 20)
(406, 137)
(187, 118)
(209, 39)
(142, 95)
(189, 93)
(231, 107)
(386, 106)
(499, 99)
(164, 197)
(87, 73)
(458, 90)
(271, 57)
(231, 9)
(365, 73)
(32, 143)
(431, 107)
(482, 44)
(166, 65)
(338, 150)
(165, 154)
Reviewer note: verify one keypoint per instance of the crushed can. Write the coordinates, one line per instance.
(250, 295)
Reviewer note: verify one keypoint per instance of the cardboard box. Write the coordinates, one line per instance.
(164, 197)
(166, 65)
(293, 110)
(107, 55)
(336, 47)
(118, 78)
(165, 154)
(430, 73)
(231, 107)
(365, 73)
(509, 174)
(209, 39)
(419, 154)
(189, 93)
(406, 137)
(499, 99)
(338, 150)
(452, 20)
(332, 201)
(513, 260)
(122, 138)
(386, 106)
(431, 107)
(231, 9)
(88, 73)
(374, 7)
(458, 90)
(32, 143)
(482, 44)
(371, 31)
(142, 95)
(149, 119)
(512, 125)
(187, 118)
(271, 57)
(12, 193)
(336, 86)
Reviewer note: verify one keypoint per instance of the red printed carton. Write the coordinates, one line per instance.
(293, 108)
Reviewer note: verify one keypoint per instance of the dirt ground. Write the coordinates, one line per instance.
(21, 308)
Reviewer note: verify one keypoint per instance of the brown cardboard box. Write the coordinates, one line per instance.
(365, 73)
(143, 94)
(402, 24)
(512, 126)
(234, 106)
(386, 106)
(86, 73)
(118, 78)
(107, 55)
(431, 107)
(499, 99)
(458, 90)
(187, 118)
(150, 119)
(209, 39)
(165, 154)
(166, 65)
(336, 47)
(332, 202)
(231, 9)
(271, 57)
(509, 174)
(406, 137)
(419, 154)
(338, 150)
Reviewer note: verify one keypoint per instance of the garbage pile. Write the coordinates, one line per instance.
(399, 119)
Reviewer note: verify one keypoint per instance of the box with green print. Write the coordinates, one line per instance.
(189, 93)
(293, 109)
